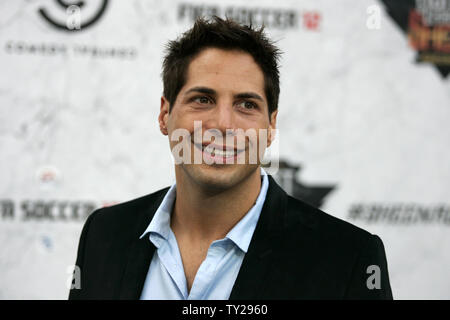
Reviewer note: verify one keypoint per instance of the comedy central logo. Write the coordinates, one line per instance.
(73, 15)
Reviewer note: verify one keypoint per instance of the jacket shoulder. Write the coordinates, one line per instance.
(134, 205)
(125, 215)
(324, 225)
(334, 254)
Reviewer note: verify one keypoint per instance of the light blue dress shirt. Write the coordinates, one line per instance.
(216, 275)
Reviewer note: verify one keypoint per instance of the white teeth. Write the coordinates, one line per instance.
(225, 154)
(219, 153)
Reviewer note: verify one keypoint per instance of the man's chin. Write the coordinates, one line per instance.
(218, 177)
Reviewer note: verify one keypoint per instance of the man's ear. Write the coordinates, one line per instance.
(163, 115)
(272, 127)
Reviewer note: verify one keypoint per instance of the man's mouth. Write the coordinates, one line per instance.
(218, 153)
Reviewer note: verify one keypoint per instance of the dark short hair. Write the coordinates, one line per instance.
(223, 34)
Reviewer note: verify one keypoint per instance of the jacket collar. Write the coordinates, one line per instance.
(266, 238)
(140, 252)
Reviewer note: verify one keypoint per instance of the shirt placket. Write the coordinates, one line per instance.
(206, 272)
(170, 263)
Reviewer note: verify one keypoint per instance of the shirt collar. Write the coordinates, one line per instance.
(160, 223)
(240, 234)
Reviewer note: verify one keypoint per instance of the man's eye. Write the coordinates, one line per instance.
(247, 105)
(202, 100)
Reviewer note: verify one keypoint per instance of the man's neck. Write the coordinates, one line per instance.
(201, 216)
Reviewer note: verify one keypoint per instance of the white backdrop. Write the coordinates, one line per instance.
(78, 128)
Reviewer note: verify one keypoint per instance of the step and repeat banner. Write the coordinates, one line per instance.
(363, 123)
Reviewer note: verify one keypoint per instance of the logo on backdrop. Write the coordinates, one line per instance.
(70, 15)
(403, 213)
(270, 17)
(406, 214)
(427, 26)
(286, 176)
(49, 210)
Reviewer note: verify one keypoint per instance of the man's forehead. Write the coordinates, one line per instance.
(226, 61)
(225, 68)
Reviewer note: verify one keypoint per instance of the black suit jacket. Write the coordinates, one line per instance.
(296, 252)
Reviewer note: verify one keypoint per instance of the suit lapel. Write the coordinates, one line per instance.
(250, 282)
(140, 253)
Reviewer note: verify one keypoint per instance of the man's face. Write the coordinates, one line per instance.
(224, 90)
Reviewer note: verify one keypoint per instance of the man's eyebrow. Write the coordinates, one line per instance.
(249, 95)
(205, 90)
(242, 95)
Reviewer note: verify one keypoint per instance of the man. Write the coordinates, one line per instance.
(225, 230)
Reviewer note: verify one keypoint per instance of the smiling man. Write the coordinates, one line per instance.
(225, 230)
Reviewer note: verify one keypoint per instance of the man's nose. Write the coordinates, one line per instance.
(222, 118)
